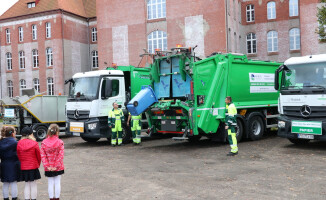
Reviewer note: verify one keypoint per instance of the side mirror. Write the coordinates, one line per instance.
(106, 88)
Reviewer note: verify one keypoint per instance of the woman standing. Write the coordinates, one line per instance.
(29, 156)
(52, 153)
(10, 166)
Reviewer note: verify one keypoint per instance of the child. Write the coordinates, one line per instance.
(10, 166)
(29, 156)
(52, 153)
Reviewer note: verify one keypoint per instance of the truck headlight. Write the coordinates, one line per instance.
(281, 124)
(92, 126)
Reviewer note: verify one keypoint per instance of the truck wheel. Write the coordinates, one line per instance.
(90, 139)
(299, 142)
(256, 127)
(126, 135)
(194, 139)
(40, 133)
(239, 130)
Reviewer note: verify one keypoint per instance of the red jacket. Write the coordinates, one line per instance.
(28, 153)
(52, 153)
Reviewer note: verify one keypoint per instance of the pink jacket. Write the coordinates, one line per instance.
(52, 153)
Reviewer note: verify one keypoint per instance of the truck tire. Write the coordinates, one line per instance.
(90, 139)
(256, 127)
(240, 130)
(299, 142)
(126, 135)
(40, 132)
(194, 139)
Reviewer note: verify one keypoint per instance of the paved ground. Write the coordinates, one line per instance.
(271, 168)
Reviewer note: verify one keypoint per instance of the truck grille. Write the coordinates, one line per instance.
(294, 111)
(71, 114)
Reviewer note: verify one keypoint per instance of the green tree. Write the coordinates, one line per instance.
(322, 21)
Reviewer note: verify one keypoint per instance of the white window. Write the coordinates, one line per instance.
(156, 9)
(36, 84)
(294, 39)
(250, 13)
(21, 60)
(94, 34)
(272, 41)
(48, 30)
(251, 43)
(157, 40)
(34, 32)
(21, 34)
(8, 35)
(50, 86)
(35, 58)
(95, 59)
(10, 89)
(271, 10)
(49, 57)
(22, 84)
(293, 8)
(31, 5)
(9, 61)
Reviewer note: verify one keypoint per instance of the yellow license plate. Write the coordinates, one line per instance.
(77, 127)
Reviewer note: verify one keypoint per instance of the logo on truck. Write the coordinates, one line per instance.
(305, 111)
(76, 114)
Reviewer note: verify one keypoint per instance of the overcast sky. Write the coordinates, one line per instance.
(5, 4)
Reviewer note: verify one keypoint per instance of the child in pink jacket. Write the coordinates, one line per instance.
(52, 153)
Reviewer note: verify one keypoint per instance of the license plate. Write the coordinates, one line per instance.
(77, 127)
(303, 136)
(76, 134)
(307, 127)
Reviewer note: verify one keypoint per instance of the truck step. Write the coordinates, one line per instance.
(272, 116)
(179, 138)
(272, 126)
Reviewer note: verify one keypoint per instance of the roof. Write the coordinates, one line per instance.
(98, 73)
(306, 59)
(84, 8)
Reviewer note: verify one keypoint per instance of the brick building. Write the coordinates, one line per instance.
(262, 29)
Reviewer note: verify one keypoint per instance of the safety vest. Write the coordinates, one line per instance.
(115, 115)
(230, 115)
(137, 117)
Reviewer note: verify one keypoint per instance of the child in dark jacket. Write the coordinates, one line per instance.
(52, 153)
(10, 166)
(29, 156)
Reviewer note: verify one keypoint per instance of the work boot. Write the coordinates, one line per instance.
(113, 145)
(5, 198)
(232, 154)
(14, 198)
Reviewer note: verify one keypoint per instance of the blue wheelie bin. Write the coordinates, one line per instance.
(144, 99)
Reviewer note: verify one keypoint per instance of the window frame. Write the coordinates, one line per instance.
(253, 42)
(294, 34)
(151, 41)
(274, 48)
(270, 10)
(294, 7)
(35, 58)
(22, 63)
(22, 84)
(36, 83)
(49, 57)
(94, 59)
(10, 88)
(31, 5)
(157, 7)
(34, 32)
(9, 61)
(20, 34)
(48, 29)
(94, 34)
(50, 86)
(8, 36)
(251, 12)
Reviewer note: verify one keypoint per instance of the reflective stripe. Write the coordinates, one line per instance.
(135, 119)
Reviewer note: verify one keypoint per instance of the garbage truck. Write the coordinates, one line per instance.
(34, 110)
(302, 101)
(191, 95)
(91, 95)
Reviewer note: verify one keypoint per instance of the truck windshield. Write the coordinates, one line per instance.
(312, 75)
(84, 88)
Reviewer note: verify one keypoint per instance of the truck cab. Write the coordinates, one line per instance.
(302, 102)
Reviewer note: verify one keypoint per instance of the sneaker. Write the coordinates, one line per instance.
(232, 154)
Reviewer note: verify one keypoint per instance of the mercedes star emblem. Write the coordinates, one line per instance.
(76, 113)
(305, 111)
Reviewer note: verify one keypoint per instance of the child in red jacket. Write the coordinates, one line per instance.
(29, 156)
(52, 153)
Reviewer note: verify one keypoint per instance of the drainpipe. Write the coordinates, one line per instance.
(63, 50)
(89, 46)
(227, 26)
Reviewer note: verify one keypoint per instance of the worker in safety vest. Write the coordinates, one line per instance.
(230, 125)
(115, 120)
(135, 128)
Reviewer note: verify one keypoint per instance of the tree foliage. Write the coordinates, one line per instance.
(322, 21)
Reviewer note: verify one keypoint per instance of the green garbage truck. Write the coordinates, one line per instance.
(191, 95)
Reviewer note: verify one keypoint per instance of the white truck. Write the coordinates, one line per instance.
(302, 102)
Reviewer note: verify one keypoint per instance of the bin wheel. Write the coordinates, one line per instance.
(299, 142)
(256, 127)
(40, 133)
(90, 139)
(135, 103)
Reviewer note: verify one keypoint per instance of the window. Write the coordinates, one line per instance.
(95, 59)
(36, 84)
(10, 89)
(50, 86)
(294, 39)
(115, 88)
(21, 60)
(49, 57)
(22, 84)
(21, 34)
(31, 5)
(156, 9)
(8, 35)
(250, 13)
(94, 34)
(35, 58)
(48, 30)
(9, 61)
(34, 32)
(293, 8)
(271, 10)
(272, 41)
(157, 40)
(251, 43)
